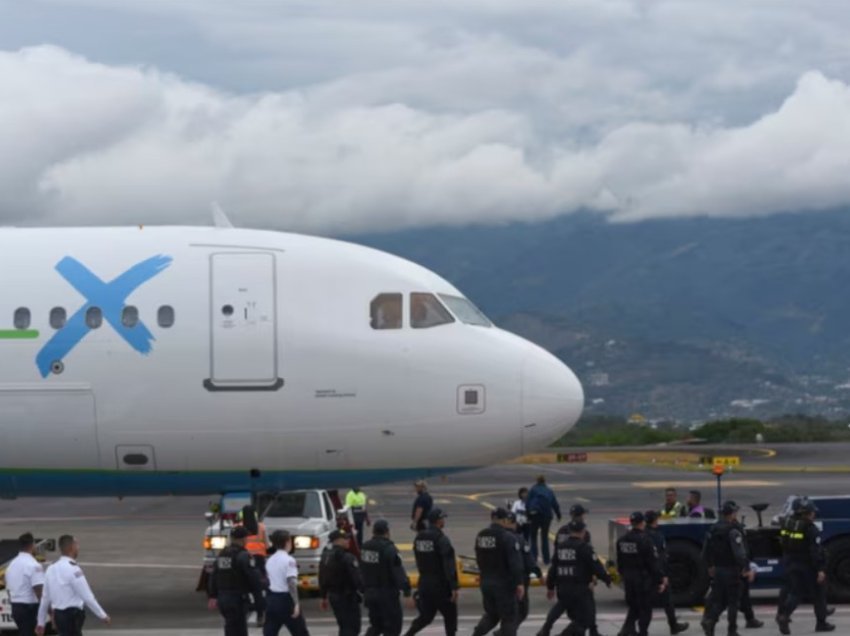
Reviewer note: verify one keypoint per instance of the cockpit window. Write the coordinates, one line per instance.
(426, 311)
(465, 311)
(385, 311)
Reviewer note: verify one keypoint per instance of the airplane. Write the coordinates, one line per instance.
(196, 360)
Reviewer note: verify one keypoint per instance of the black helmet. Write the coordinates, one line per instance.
(577, 510)
(807, 506)
(729, 507)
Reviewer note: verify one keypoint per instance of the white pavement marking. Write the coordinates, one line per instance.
(151, 566)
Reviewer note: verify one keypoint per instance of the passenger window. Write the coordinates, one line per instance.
(58, 317)
(22, 318)
(130, 316)
(385, 311)
(165, 316)
(426, 311)
(94, 317)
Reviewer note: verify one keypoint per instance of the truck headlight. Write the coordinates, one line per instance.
(305, 543)
(215, 543)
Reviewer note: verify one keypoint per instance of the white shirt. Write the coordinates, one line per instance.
(23, 574)
(280, 567)
(65, 586)
(520, 512)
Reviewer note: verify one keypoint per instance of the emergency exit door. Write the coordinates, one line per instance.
(243, 323)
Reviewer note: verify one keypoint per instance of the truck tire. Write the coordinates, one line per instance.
(688, 576)
(838, 570)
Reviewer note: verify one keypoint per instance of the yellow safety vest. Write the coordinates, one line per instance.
(673, 513)
(355, 500)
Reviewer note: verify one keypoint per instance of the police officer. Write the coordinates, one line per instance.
(499, 557)
(529, 567)
(438, 582)
(340, 583)
(805, 567)
(638, 564)
(574, 572)
(282, 599)
(725, 554)
(577, 513)
(383, 578)
(666, 597)
(25, 582)
(233, 579)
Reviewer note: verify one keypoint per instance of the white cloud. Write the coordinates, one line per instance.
(415, 113)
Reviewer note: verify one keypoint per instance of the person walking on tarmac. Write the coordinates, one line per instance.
(355, 500)
(383, 578)
(577, 513)
(541, 506)
(638, 564)
(421, 507)
(234, 579)
(66, 593)
(25, 582)
(665, 597)
(499, 558)
(438, 580)
(805, 568)
(282, 603)
(725, 554)
(573, 573)
(529, 567)
(341, 584)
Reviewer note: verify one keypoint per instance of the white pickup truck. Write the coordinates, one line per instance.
(308, 515)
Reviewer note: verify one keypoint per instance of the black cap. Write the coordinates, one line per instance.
(577, 510)
(381, 526)
(576, 525)
(239, 532)
(511, 517)
(728, 507)
(636, 517)
(338, 534)
(436, 514)
(651, 515)
(500, 513)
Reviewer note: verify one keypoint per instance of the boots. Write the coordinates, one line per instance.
(678, 628)
(783, 621)
(707, 627)
(753, 623)
(824, 627)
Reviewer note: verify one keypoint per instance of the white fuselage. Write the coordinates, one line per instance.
(271, 373)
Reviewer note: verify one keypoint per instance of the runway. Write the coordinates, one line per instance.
(142, 556)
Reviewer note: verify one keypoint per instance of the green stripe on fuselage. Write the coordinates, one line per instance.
(18, 334)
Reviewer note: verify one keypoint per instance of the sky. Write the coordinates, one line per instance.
(344, 117)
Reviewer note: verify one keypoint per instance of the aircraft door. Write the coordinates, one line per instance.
(243, 323)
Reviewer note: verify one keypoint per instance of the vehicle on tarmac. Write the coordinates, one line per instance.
(688, 574)
(308, 515)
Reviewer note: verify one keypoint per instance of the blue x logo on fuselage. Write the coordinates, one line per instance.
(110, 298)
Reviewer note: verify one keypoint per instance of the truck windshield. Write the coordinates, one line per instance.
(295, 504)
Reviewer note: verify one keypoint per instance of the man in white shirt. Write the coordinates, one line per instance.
(282, 607)
(67, 592)
(25, 581)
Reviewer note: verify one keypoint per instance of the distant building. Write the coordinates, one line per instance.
(637, 419)
(598, 378)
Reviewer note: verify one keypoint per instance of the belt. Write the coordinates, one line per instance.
(278, 593)
(68, 609)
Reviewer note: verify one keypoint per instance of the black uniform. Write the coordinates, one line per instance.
(638, 564)
(557, 610)
(666, 597)
(803, 557)
(383, 578)
(340, 582)
(435, 560)
(233, 579)
(724, 550)
(499, 556)
(573, 568)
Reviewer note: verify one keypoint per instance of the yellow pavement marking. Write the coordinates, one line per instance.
(404, 546)
(727, 483)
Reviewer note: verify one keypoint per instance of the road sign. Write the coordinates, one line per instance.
(726, 461)
(572, 457)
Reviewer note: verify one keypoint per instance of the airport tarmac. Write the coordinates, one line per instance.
(143, 555)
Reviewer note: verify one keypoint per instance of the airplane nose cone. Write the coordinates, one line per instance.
(552, 400)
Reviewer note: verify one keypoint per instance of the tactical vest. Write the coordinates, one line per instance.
(429, 562)
(490, 554)
(572, 567)
(719, 545)
(792, 536)
(228, 577)
(333, 575)
(629, 550)
(376, 564)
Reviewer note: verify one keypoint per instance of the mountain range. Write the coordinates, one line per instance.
(685, 319)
